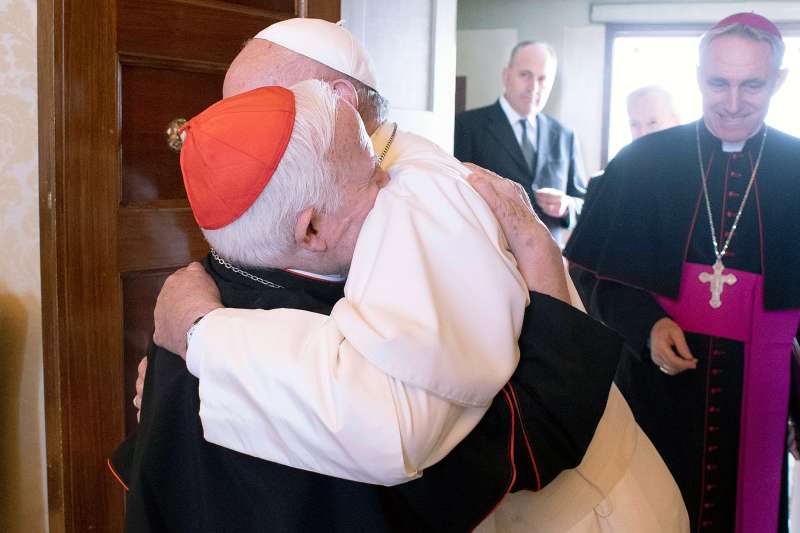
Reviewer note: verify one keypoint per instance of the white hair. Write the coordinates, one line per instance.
(657, 91)
(647, 90)
(304, 178)
(743, 30)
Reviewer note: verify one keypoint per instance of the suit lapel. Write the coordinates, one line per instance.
(501, 130)
(542, 145)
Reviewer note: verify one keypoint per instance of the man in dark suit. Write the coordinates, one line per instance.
(514, 139)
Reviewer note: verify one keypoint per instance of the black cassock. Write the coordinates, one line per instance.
(540, 424)
(645, 219)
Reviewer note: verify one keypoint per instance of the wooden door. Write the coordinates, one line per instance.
(114, 216)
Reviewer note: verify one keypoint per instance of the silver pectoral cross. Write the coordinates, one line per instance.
(717, 282)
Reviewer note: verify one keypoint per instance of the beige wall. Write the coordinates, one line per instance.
(22, 477)
(477, 60)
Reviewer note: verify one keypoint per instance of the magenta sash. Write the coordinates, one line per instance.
(767, 336)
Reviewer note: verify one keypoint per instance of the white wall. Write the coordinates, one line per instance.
(581, 89)
(413, 48)
(479, 53)
(22, 454)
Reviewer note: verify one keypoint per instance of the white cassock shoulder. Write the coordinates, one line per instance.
(433, 297)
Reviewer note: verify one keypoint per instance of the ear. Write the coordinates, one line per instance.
(346, 91)
(306, 234)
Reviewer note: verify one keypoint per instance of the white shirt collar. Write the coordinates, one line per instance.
(513, 116)
(336, 278)
(733, 147)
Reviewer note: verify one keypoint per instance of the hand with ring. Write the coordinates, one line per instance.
(668, 348)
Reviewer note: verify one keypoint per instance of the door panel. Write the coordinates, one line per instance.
(277, 5)
(153, 96)
(139, 292)
(202, 30)
(157, 237)
(114, 216)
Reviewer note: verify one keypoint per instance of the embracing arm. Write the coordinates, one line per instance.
(311, 401)
(283, 385)
(567, 359)
(567, 365)
(538, 256)
(299, 388)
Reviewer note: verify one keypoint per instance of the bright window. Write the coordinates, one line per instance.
(670, 61)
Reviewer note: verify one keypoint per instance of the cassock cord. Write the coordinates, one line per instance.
(717, 252)
(241, 272)
(388, 144)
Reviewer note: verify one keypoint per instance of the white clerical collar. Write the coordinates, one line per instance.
(733, 147)
(513, 116)
(335, 278)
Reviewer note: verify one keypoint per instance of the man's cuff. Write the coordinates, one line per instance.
(192, 329)
(569, 216)
(194, 343)
(640, 346)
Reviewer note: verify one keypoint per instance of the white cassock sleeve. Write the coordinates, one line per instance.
(409, 359)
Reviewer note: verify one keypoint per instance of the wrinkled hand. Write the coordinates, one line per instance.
(668, 348)
(538, 256)
(137, 400)
(553, 202)
(187, 294)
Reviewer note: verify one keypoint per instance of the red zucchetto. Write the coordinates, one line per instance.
(231, 151)
(750, 19)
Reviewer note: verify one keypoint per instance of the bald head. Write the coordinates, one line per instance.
(529, 76)
(262, 63)
(650, 109)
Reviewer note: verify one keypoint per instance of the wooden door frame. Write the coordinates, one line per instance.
(79, 143)
(78, 154)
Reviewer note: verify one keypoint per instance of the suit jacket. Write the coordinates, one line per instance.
(484, 136)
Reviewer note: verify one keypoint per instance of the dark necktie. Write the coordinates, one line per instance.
(527, 148)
